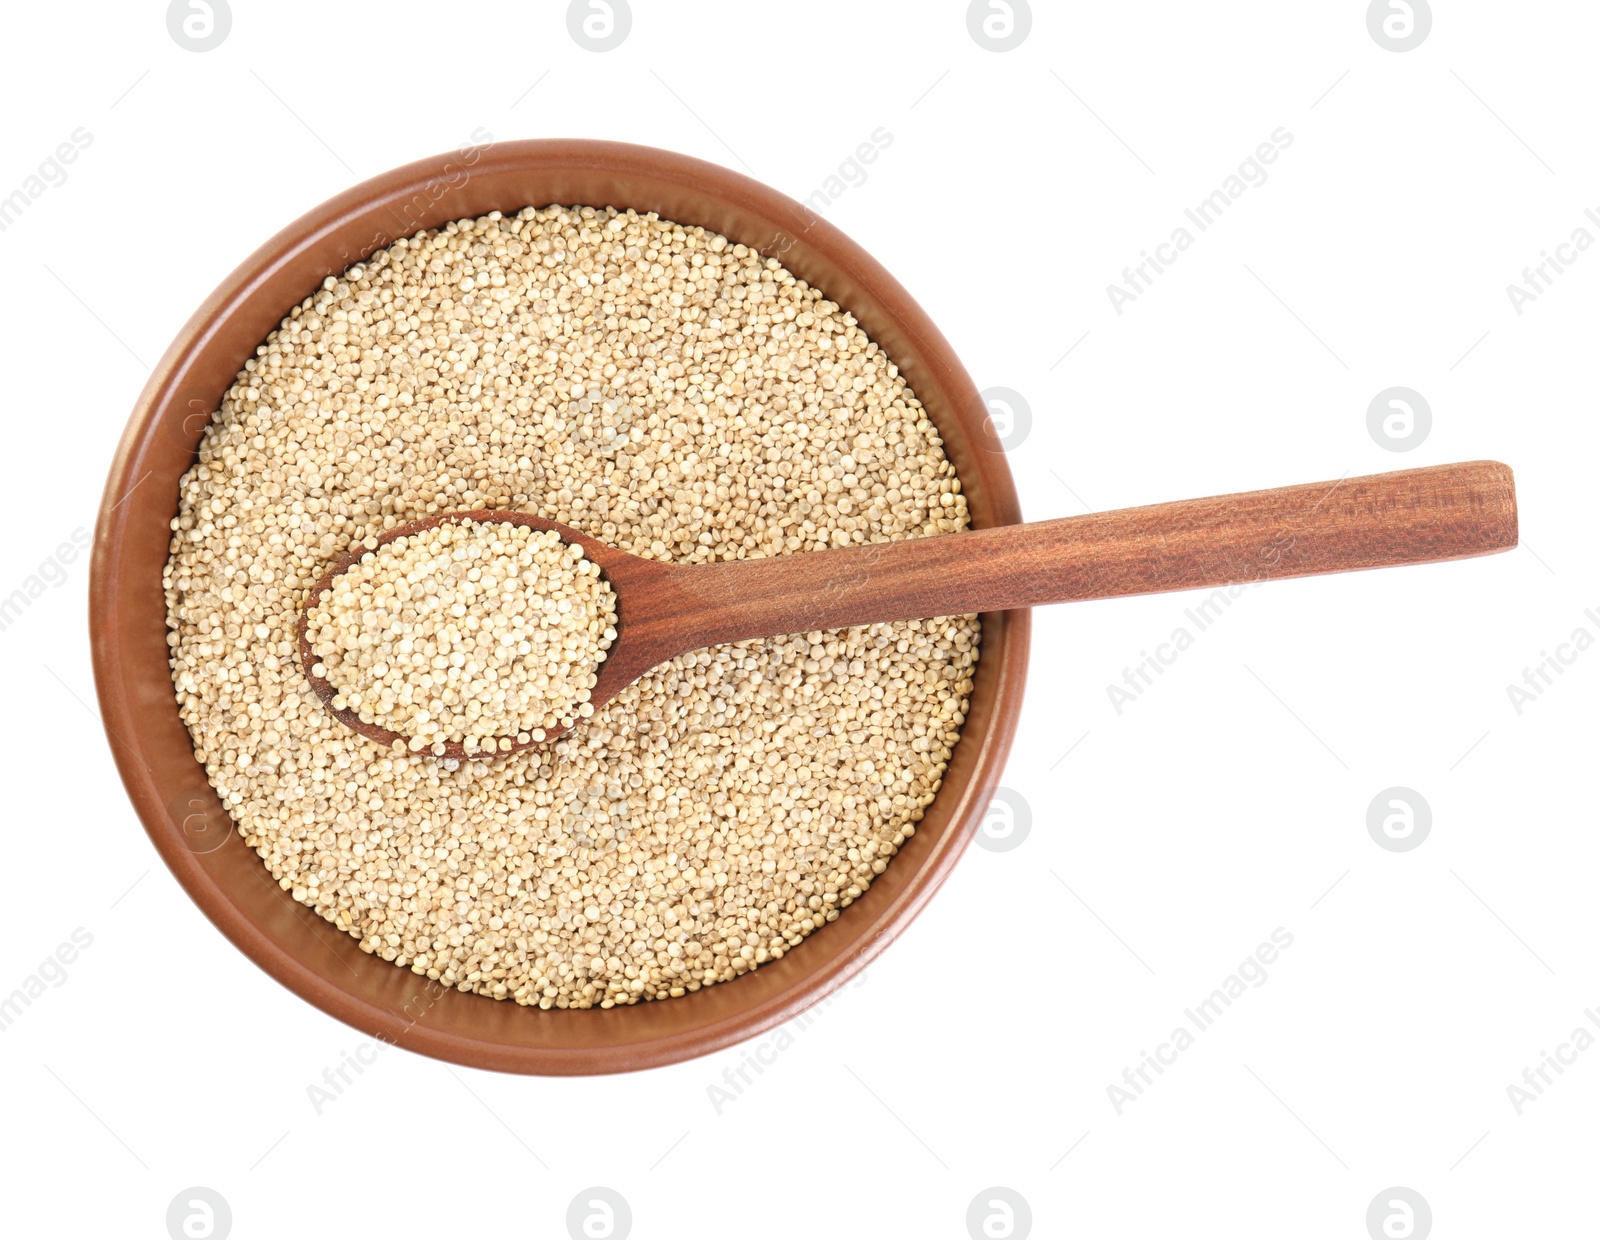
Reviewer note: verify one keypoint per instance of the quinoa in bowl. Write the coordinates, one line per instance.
(666, 391)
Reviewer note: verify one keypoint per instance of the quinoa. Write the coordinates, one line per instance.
(659, 388)
(469, 631)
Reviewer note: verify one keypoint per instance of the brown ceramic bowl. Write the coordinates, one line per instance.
(127, 612)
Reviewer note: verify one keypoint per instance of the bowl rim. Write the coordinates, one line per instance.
(187, 823)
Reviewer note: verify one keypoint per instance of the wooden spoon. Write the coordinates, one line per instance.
(1413, 516)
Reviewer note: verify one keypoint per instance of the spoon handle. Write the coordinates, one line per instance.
(1413, 516)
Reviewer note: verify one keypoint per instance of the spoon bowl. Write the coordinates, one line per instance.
(629, 576)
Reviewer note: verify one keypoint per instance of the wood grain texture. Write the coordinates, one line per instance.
(1444, 512)
(1413, 516)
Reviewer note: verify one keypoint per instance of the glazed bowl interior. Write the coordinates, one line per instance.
(152, 747)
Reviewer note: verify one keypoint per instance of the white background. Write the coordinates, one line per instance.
(1229, 800)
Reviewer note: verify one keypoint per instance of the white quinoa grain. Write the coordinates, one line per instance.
(657, 387)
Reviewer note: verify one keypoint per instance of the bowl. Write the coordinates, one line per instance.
(128, 629)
